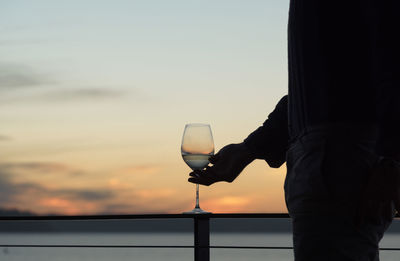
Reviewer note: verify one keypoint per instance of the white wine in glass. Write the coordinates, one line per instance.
(197, 146)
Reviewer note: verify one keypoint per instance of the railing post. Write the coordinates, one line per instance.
(201, 238)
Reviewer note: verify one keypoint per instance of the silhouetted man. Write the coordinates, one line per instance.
(341, 114)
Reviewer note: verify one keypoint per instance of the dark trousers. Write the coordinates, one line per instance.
(327, 169)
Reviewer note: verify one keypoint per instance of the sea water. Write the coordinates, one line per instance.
(112, 239)
(155, 239)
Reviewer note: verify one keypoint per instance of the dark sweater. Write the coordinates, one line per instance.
(344, 68)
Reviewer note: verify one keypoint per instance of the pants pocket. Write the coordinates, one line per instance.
(305, 187)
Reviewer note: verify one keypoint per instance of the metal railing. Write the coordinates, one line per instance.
(200, 230)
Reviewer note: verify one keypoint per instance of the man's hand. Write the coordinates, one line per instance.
(228, 163)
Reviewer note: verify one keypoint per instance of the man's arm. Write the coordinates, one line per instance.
(268, 142)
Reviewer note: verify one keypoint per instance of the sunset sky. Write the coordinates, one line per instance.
(94, 97)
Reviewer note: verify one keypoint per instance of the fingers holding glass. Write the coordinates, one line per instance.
(204, 177)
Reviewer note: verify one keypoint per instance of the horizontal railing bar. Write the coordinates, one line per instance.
(152, 216)
(136, 246)
(261, 247)
(149, 216)
(249, 247)
(150, 246)
(90, 246)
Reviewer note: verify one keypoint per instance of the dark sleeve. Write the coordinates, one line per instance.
(270, 141)
(388, 67)
(388, 144)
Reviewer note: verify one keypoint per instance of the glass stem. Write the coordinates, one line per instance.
(197, 196)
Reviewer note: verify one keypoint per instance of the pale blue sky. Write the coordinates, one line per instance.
(112, 83)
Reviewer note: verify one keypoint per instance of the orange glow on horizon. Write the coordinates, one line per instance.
(227, 204)
(59, 205)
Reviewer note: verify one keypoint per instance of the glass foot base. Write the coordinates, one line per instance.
(196, 211)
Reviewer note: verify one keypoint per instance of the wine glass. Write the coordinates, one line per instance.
(197, 146)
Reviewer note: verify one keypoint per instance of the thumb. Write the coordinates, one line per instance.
(214, 158)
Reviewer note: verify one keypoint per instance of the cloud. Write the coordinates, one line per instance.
(83, 194)
(14, 77)
(41, 198)
(71, 95)
(5, 138)
(42, 167)
(80, 94)
(26, 185)
(121, 208)
(10, 190)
